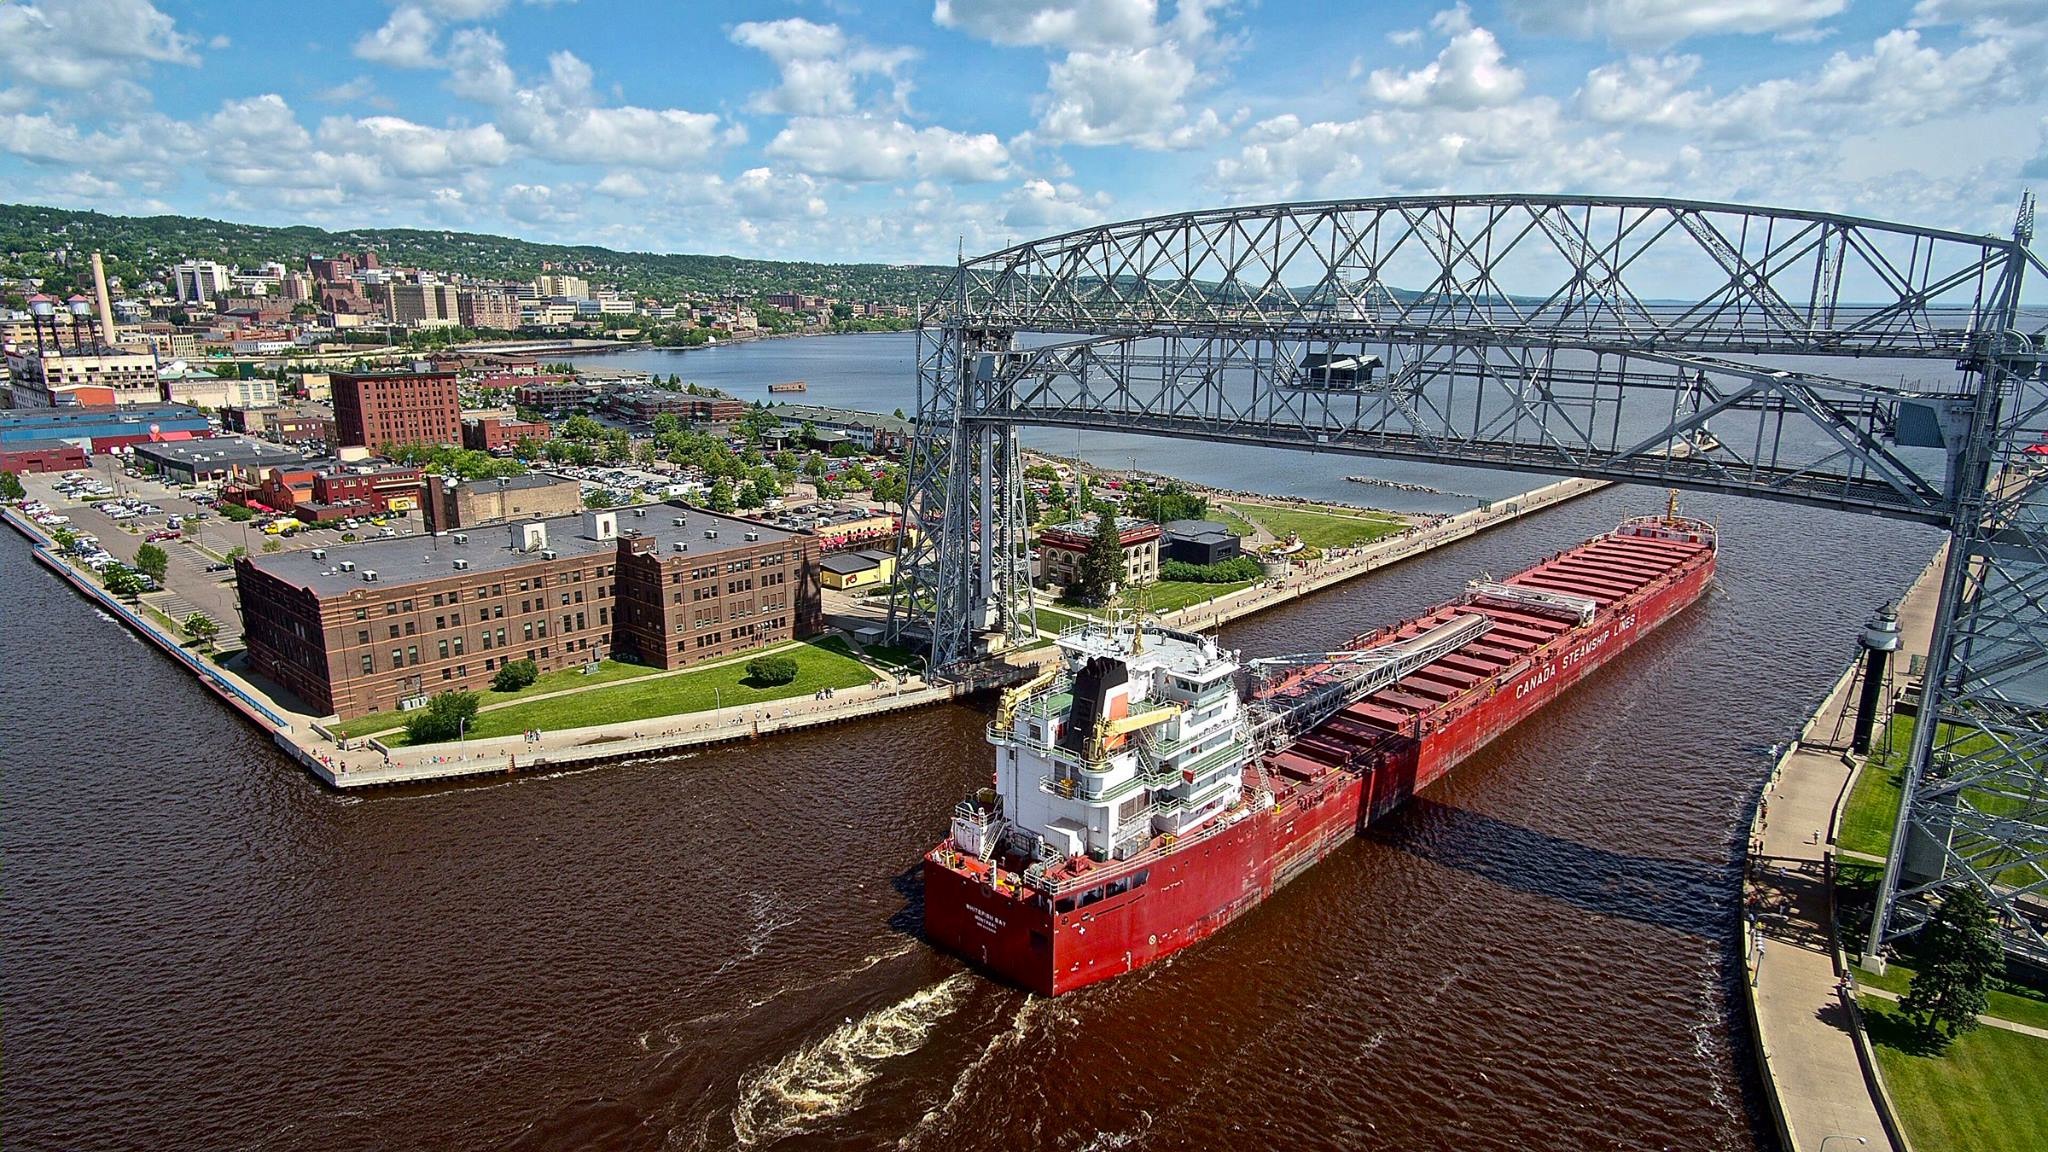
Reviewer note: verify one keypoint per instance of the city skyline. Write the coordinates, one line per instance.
(904, 133)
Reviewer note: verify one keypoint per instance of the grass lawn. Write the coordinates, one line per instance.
(697, 691)
(2026, 1006)
(1983, 1095)
(1873, 806)
(1173, 595)
(560, 680)
(1054, 620)
(1320, 529)
(1231, 520)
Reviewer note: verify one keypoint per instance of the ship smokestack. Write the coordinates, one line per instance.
(1880, 640)
(106, 307)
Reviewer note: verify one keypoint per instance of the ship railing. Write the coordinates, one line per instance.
(1070, 788)
(1036, 875)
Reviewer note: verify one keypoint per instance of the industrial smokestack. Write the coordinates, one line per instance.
(99, 289)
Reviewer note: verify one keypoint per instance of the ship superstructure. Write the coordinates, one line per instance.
(1153, 785)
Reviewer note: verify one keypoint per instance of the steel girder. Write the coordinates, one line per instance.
(1634, 339)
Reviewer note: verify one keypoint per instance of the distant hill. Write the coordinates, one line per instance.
(137, 247)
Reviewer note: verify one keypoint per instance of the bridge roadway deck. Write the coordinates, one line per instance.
(1806, 1033)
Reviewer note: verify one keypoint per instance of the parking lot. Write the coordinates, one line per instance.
(120, 513)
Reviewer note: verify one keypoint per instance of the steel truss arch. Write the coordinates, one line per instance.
(1673, 342)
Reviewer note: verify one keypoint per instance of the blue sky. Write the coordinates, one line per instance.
(852, 129)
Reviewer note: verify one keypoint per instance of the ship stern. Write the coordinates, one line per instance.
(1000, 928)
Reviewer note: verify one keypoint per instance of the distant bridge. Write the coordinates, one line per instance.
(1654, 341)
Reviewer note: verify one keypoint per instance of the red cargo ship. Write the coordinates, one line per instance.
(1143, 799)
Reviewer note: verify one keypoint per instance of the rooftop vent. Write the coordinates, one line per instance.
(753, 535)
(348, 565)
(462, 537)
(369, 575)
(676, 520)
(711, 533)
(461, 565)
(319, 553)
(682, 545)
(547, 553)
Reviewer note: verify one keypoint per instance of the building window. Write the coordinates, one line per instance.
(369, 663)
(362, 613)
(362, 636)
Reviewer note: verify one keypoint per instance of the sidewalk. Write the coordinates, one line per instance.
(1804, 1029)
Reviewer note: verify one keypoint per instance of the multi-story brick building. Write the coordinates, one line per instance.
(644, 404)
(1061, 547)
(554, 393)
(330, 492)
(371, 627)
(451, 504)
(377, 409)
(497, 434)
(707, 595)
(483, 308)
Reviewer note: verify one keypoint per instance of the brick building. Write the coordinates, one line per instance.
(644, 404)
(376, 409)
(553, 393)
(26, 456)
(497, 434)
(1061, 547)
(370, 627)
(329, 493)
(451, 504)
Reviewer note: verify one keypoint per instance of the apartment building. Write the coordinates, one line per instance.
(376, 409)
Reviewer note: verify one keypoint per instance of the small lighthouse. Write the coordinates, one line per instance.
(1880, 640)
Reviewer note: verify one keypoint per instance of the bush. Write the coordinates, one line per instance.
(514, 676)
(768, 671)
(237, 512)
(1229, 571)
(443, 718)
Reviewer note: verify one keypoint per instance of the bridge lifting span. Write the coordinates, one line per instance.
(1656, 341)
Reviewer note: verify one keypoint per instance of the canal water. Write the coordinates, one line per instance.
(203, 948)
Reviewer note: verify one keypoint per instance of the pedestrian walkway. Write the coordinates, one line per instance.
(1804, 1026)
(1986, 1020)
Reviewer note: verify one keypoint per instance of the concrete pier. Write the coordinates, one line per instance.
(1819, 1075)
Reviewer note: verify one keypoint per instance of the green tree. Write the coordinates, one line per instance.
(235, 553)
(1170, 501)
(722, 499)
(444, 718)
(11, 488)
(515, 675)
(1102, 566)
(767, 671)
(122, 581)
(1959, 957)
(199, 626)
(749, 495)
(667, 423)
(66, 539)
(240, 513)
(581, 427)
(599, 498)
(152, 561)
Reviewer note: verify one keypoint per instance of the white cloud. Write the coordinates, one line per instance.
(867, 149)
(1899, 81)
(410, 149)
(1470, 72)
(624, 185)
(1652, 23)
(821, 67)
(561, 117)
(764, 194)
(87, 43)
(405, 40)
(1040, 206)
(1069, 24)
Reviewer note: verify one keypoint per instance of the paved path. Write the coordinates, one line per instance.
(1803, 1024)
(1987, 1020)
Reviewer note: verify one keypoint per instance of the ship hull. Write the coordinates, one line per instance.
(1128, 914)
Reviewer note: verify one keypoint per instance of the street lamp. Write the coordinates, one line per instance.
(462, 736)
(1839, 1136)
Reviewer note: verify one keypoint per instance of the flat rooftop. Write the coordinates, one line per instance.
(490, 548)
(519, 484)
(219, 450)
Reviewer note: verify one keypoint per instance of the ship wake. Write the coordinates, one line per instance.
(828, 1077)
